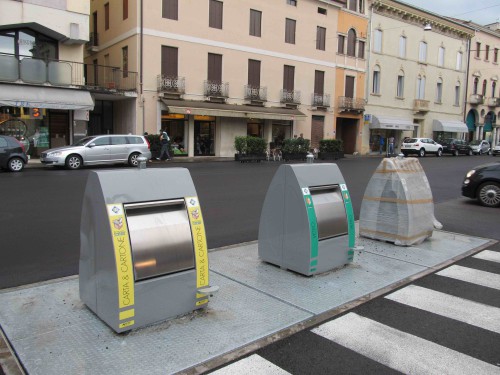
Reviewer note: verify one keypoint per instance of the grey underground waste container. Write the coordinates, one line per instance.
(143, 251)
(307, 220)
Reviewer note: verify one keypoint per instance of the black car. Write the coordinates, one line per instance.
(12, 155)
(483, 183)
(456, 146)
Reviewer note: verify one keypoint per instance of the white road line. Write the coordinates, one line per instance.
(474, 313)
(471, 275)
(401, 351)
(252, 365)
(492, 256)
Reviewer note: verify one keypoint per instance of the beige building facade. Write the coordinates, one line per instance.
(483, 86)
(416, 80)
(212, 70)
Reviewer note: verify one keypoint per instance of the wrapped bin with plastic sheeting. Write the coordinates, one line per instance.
(398, 206)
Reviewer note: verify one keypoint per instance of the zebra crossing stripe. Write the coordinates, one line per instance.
(401, 351)
(492, 256)
(471, 275)
(470, 312)
(252, 365)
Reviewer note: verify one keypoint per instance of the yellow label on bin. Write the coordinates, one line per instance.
(199, 241)
(127, 324)
(123, 256)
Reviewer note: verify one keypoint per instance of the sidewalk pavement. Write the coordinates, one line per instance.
(52, 332)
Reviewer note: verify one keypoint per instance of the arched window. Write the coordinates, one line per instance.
(476, 84)
(401, 85)
(457, 94)
(485, 83)
(439, 90)
(493, 88)
(351, 43)
(376, 80)
(420, 87)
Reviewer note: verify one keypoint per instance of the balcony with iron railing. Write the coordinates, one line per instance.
(171, 85)
(49, 72)
(290, 97)
(493, 102)
(348, 104)
(256, 94)
(216, 90)
(476, 99)
(93, 42)
(320, 100)
(420, 105)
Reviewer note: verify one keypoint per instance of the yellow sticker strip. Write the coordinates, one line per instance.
(127, 314)
(199, 242)
(123, 256)
(127, 324)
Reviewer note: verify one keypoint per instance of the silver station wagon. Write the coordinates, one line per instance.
(100, 149)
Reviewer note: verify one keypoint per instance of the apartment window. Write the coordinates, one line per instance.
(377, 41)
(485, 83)
(349, 87)
(255, 22)
(288, 78)
(290, 31)
(254, 73)
(170, 9)
(319, 82)
(351, 43)
(478, 50)
(441, 56)
(106, 16)
(320, 38)
(353, 4)
(459, 60)
(361, 49)
(341, 45)
(422, 52)
(457, 94)
(420, 87)
(487, 53)
(439, 91)
(402, 46)
(125, 9)
(495, 55)
(322, 11)
(376, 80)
(292, 2)
(215, 14)
(493, 89)
(125, 61)
(476, 86)
(401, 85)
(169, 61)
(214, 73)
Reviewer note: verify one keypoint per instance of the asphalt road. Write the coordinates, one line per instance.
(40, 208)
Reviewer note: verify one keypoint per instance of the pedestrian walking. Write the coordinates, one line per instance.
(381, 143)
(391, 145)
(165, 144)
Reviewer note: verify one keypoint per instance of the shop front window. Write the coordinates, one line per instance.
(255, 129)
(176, 126)
(281, 131)
(204, 135)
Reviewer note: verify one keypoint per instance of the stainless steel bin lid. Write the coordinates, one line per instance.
(330, 210)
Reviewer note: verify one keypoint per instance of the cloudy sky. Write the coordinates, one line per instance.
(482, 12)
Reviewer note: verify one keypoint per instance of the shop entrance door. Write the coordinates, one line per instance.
(59, 128)
(204, 135)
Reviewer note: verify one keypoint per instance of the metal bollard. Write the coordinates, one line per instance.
(310, 158)
(141, 162)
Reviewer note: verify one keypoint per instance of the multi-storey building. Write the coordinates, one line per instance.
(43, 100)
(211, 70)
(416, 80)
(483, 88)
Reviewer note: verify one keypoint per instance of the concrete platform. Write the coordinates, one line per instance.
(52, 332)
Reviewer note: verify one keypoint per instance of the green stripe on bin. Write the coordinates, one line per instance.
(313, 225)
(350, 216)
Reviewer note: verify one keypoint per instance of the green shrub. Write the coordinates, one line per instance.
(240, 144)
(296, 146)
(249, 145)
(331, 145)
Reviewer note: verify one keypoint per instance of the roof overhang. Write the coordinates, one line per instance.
(394, 123)
(449, 126)
(231, 110)
(45, 97)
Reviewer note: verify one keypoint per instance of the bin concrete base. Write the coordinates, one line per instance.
(52, 332)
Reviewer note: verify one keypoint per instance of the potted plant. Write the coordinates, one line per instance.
(331, 149)
(295, 148)
(250, 149)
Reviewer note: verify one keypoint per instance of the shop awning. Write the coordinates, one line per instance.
(45, 97)
(192, 107)
(395, 123)
(449, 126)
